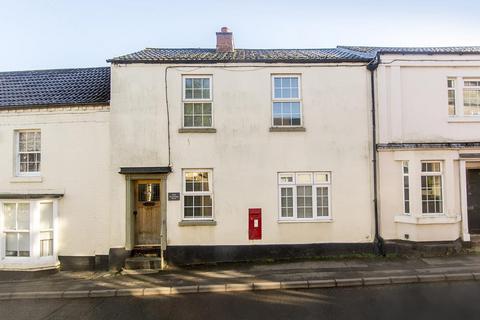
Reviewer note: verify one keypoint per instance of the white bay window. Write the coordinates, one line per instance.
(28, 232)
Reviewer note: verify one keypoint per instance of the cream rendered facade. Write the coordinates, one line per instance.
(245, 156)
(414, 127)
(74, 176)
(114, 171)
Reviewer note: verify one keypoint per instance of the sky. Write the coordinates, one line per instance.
(51, 34)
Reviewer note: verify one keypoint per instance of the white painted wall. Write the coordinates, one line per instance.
(412, 106)
(244, 155)
(75, 160)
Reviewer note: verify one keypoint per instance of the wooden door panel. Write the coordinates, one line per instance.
(148, 216)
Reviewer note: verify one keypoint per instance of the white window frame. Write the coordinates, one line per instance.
(405, 164)
(433, 173)
(314, 184)
(459, 90)
(17, 154)
(196, 100)
(34, 260)
(198, 193)
(299, 99)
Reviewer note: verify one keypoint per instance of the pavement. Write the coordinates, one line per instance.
(441, 300)
(370, 271)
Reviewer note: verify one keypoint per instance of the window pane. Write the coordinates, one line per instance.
(46, 244)
(11, 244)
(322, 201)
(207, 212)
(23, 216)
(9, 216)
(207, 108)
(22, 140)
(24, 244)
(46, 215)
(188, 108)
(188, 121)
(197, 121)
(197, 83)
(188, 201)
(471, 99)
(188, 212)
(197, 212)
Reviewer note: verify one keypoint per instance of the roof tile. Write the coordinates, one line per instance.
(55, 87)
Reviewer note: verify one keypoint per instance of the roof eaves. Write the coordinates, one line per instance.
(54, 105)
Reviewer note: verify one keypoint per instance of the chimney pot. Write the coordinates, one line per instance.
(225, 40)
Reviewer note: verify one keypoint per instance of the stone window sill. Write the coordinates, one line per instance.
(287, 129)
(326, 220)
(425, 219)
(26, 179)
(456, 119)
(192, 223)
(197, 130)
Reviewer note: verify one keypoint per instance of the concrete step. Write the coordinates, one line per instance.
(143, 263)
(475, 239)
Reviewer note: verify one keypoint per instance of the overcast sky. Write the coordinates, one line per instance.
(46, 34)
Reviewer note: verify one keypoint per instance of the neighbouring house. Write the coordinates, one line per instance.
(428, 124)
(187, 156)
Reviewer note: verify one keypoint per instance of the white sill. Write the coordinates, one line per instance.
(326, 220)
(427, 219)
(22, 179)
(457, 119)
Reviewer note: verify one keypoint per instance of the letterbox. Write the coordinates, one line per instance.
(254, 224)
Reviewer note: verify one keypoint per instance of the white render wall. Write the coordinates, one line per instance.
(412, 106)
(244, 155)
(413, 103)
(75, 161)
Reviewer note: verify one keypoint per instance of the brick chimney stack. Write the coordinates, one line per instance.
(225, 40)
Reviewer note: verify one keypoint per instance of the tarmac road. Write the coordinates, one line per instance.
(447, 300)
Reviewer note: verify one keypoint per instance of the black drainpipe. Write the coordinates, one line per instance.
(378, 242)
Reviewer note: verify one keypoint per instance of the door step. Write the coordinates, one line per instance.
(143, 263)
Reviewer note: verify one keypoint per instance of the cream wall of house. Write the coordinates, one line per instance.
(75, 161)
(244, 155)
(415, 226)
(413, 102)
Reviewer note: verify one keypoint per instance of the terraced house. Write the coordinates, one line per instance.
(185, 156)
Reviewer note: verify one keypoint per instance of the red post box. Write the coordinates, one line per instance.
(254, 223)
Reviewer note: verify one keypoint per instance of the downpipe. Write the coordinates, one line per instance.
(378, 242)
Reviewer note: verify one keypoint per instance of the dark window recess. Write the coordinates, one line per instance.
(149, 192)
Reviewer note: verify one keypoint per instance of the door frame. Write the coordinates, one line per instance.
(130, 207)
(471, 163)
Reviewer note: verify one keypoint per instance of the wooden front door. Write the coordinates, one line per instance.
(473, 200)
(147, 215)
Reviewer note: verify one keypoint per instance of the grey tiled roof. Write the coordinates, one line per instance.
(189, 55)
(372, 51)
(55, 87)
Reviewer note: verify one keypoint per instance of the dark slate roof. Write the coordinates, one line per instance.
(190, 55)
(55, 87)
(372, 51)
